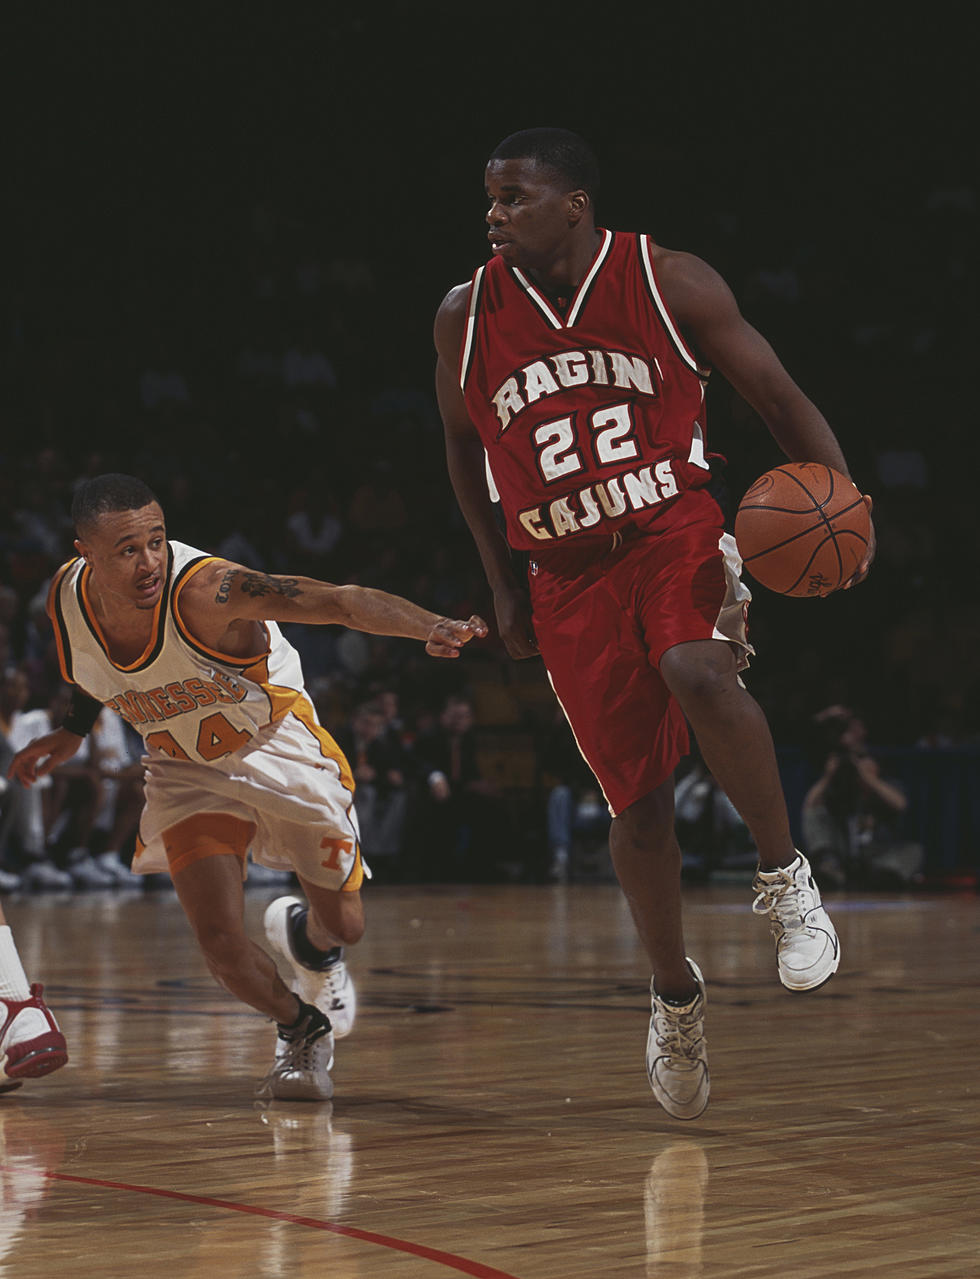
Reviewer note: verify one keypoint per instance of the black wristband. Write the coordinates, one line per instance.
(82, 713)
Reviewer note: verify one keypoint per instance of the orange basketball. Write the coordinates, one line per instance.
(802, 529)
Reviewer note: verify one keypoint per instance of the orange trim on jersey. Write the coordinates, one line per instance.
(288, 701)
(89, 614)
(355, 879)
(206, 835)
(57, 622)
(227, 658)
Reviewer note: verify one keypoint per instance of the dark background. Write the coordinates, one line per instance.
(171, 173)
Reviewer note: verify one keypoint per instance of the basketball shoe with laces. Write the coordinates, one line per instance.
(807, 949)
(31, 1044)
(304, 1056)
(677, 1054)
(328, 987)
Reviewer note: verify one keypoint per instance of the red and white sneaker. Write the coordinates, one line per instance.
(31, 1045)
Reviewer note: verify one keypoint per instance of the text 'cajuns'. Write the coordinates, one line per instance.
(608, 499)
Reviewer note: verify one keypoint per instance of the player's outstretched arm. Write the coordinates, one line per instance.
(222, 594)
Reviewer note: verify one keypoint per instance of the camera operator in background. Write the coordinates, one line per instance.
(852, 816)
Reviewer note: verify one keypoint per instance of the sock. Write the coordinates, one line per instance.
(306, 952)
(13, 979)
(287, 1028)
(678, 1003)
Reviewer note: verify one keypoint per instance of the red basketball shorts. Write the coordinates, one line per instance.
(604, 619)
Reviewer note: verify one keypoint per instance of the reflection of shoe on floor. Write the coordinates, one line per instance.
(329, 987)
(307, 1132)
(674, 1211)
(807, 949)
(43, 877)
(304, 1055)
(677, 1055)
(31, 1045)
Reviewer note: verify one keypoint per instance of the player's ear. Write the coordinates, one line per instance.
(80, 548)
(578, 206)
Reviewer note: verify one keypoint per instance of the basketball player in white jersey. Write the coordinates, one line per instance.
(186, 648)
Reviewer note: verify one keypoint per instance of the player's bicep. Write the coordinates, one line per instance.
(224, 592)
(709, 317)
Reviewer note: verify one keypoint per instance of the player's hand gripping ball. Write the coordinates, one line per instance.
(802, 529)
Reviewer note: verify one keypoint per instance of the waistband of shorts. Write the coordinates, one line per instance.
(574, 556)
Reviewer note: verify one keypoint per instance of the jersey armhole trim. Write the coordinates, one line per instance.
(226, 659)
(666, 319)
(472, 311)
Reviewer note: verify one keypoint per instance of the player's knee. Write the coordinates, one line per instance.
(649, 821)
(341, 919)
(351, 931)
(699, 675)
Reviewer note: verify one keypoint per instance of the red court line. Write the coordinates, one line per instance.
(475, 1268)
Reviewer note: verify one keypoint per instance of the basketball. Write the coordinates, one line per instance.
(802, 529)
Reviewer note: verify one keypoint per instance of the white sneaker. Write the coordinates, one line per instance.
(112, 864)
(43, 877)
(88, 874)
(330, 989)
(807, 949)
(304, 1057)
(31, 1043)
(677, 1056)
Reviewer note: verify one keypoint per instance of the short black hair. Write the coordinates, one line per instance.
(566, 153)
(104, 494)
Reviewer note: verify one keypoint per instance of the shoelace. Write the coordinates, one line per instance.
(780, 901)
(682, 1036)
(336, 979)
(298, 1056)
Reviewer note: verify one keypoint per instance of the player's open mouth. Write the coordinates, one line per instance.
(149, 586)
(497, 242)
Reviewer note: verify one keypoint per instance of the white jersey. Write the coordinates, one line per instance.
(236, 735)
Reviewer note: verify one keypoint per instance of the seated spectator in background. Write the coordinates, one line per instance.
(14, 694)
(52, 821)
(377, 505)
(162, 382)
(461, 828)
(313, 528)
(379, 764)
(710, 829)
(575, 808)
(306, 366)
(116, 751)
(852, 816)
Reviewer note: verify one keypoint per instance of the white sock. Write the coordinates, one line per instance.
(13, 979)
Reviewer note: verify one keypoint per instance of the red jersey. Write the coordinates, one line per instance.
(592, 418)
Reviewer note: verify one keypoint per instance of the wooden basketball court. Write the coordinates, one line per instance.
(492, 1115)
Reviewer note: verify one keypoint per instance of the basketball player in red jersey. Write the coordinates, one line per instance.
(571, 375)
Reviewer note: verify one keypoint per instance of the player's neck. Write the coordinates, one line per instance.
(561, 277)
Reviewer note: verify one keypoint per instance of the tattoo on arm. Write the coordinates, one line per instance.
(256, 584)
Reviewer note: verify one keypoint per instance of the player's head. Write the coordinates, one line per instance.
(541, 184)
(567, 155)
(120, 532)
(106, 494)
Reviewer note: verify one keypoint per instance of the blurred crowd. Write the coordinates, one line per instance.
(275, 431)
